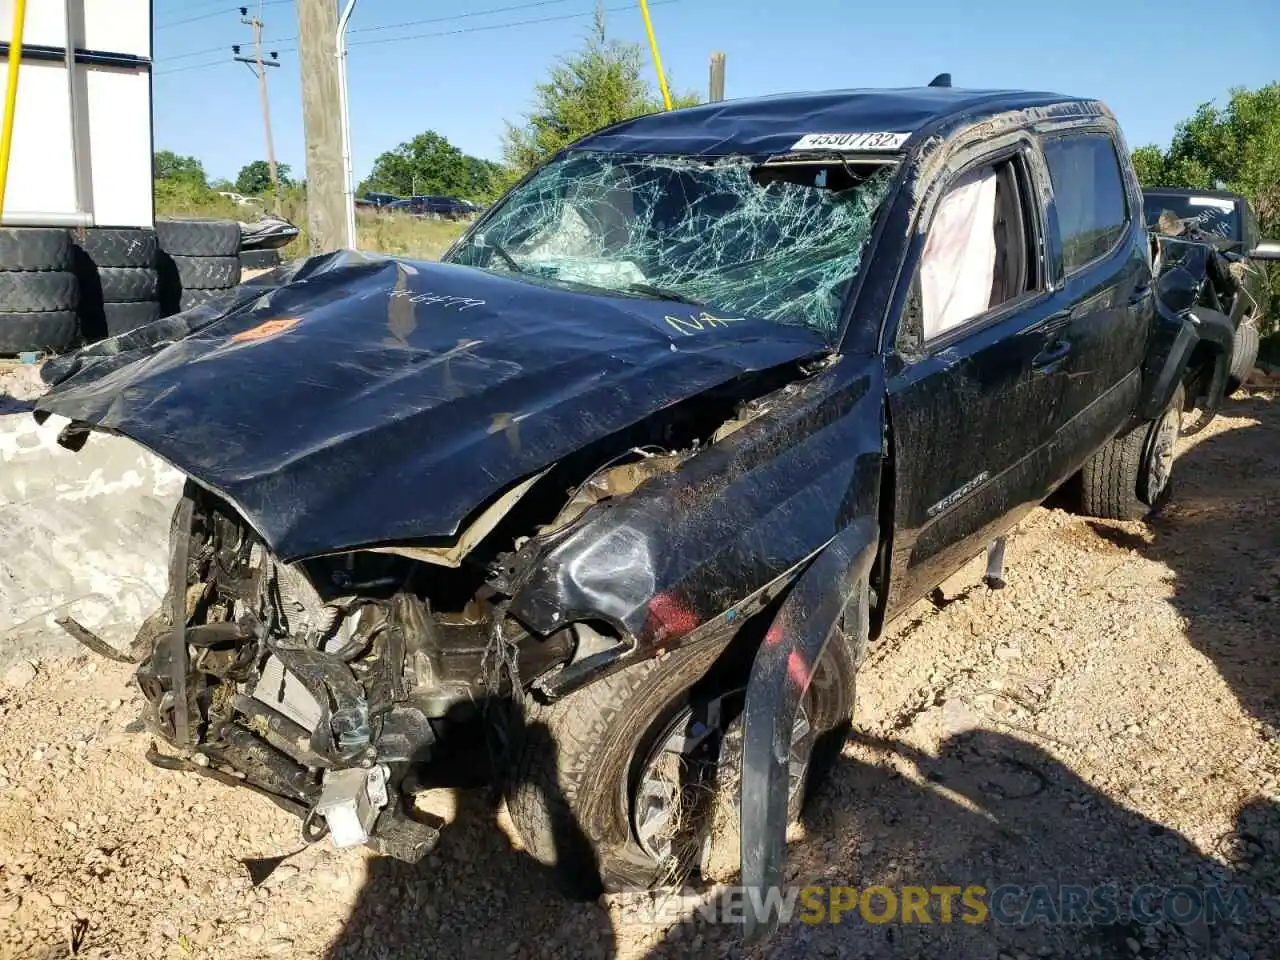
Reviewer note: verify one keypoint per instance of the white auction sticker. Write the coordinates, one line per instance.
(850, 142)
(1226, 206)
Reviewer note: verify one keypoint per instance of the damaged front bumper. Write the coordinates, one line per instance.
(325, 703)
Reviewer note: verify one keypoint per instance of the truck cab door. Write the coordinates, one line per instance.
(974, 381)
(1101, 252)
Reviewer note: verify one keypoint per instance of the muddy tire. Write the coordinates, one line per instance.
(260, 259)
(32, 291)
(43, 332)
(1130, 476)
(207, 273)
(199, 238)
(34, 248)
(122, 247)
(1244, 354)
(123, 317)
(128, 284)
(578, 763)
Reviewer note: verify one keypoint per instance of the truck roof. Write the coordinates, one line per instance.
(775, 125)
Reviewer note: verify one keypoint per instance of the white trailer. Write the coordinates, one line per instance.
(81, 147)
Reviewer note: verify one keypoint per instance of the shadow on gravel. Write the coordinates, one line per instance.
(1220, 535)
(999, 813)
(475, 895)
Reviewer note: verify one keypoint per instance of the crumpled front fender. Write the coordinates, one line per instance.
(834, 586)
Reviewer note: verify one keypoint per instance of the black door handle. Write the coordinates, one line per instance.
(1051, 356)
(1139, 294)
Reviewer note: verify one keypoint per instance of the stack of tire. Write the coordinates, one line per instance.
(199, 261)
(119, 283)
(38, 291)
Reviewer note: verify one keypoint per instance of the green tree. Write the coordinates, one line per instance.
(1149, 163)
(429, 164)
(1236, 147)
(255, 178)
(599, 85)
(486, 179)
(168, 165)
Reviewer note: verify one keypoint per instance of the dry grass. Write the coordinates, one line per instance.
(395, 234)
(404, 236)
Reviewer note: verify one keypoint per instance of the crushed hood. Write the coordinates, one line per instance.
(368, 400)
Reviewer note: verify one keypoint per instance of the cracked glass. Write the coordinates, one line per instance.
(776, 242)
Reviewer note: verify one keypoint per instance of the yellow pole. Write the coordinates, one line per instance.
(653, 45)
(11, 94)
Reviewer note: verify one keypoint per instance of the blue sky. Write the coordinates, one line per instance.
(1141, 58)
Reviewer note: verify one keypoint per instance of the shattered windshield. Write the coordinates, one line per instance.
(777, 242)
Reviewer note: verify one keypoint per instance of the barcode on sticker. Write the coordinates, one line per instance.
(850, 142)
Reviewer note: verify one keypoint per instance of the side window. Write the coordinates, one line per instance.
(1088, 191)
(978, 255)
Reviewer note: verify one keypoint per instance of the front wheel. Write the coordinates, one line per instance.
(616, 785)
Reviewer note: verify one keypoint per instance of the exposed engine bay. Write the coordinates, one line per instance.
(328, 684)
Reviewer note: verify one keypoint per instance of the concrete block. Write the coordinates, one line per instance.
(84, 534)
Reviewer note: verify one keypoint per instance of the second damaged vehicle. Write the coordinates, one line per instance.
(620, 490)
(1213, 236)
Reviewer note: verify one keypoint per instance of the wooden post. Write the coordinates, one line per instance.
(259, 67)
(322, 124)
(717, 77)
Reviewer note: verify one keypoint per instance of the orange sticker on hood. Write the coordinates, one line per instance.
(267, 329)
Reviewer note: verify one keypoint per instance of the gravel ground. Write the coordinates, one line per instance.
(1110, 717)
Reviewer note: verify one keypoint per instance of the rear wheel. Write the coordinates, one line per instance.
(1244, 354)
(1130, 476)
(616, 785)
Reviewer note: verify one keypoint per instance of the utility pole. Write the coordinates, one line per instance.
(259, 68)
(322, 123)
(717, 78)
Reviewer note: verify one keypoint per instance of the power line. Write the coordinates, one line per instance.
(216, 13)
(414, 23)
(394, 26)
(458, 16)
(195, 53)
(194, 66)
(515, 23)
(191, 8)
(439, 33)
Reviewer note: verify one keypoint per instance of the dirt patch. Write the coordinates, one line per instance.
(1112, 717)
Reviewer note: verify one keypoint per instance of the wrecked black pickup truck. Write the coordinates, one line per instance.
(621, 488)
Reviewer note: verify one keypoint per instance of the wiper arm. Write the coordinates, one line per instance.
(507, 258)
(664, 294)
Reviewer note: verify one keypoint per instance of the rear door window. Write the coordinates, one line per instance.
(1088, 189)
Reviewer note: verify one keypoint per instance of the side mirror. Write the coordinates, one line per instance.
(1267, 250)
